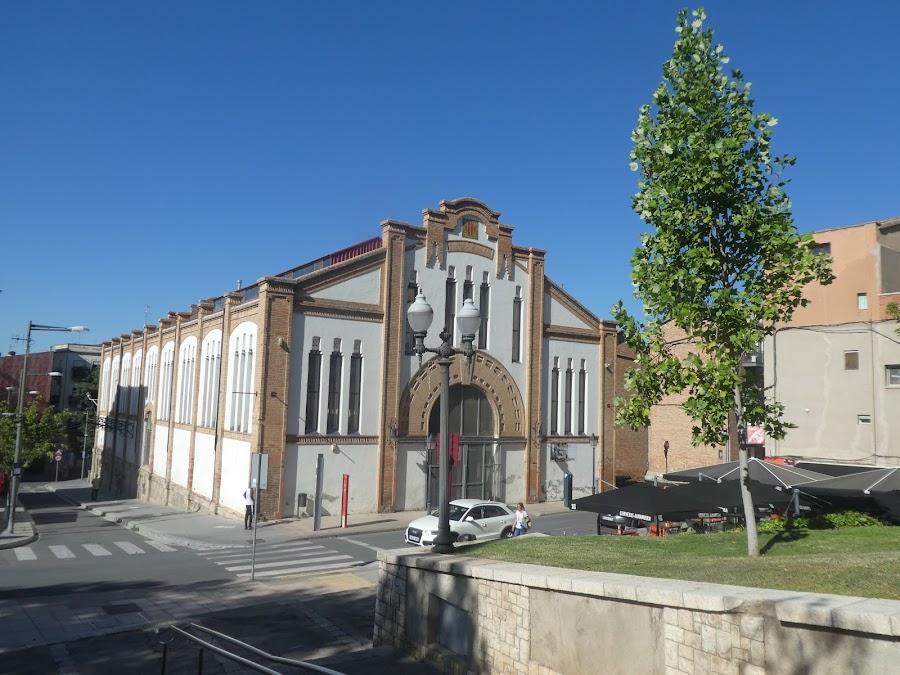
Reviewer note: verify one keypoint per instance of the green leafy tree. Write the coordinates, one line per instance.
(724, 263)
(84, 391)
(893, 310)
(40, 434)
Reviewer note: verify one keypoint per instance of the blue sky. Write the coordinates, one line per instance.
(152, 154)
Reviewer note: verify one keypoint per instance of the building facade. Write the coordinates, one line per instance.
(835, 367)
(319, 361)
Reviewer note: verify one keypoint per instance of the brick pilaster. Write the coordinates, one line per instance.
(273, 369)
(534, 348)
(392, 287)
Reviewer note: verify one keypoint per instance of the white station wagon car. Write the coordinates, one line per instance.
(470, 519)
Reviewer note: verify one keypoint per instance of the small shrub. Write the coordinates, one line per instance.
(827, 521)
(824, 521)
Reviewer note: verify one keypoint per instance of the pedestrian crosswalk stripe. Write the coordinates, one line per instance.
(128, 547)
(260, 549)
(25, 553)
(96, 549)
(297, 570)
(283, 563)
(245, 555)
(159, 546)
(61, 551)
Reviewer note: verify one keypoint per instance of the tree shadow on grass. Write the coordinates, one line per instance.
(789, 534)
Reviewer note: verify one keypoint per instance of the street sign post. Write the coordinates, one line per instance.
(57, 458)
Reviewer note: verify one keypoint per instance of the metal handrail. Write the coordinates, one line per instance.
(239, 659)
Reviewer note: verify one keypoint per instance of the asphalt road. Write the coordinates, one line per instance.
(78, 548)
(567, 523)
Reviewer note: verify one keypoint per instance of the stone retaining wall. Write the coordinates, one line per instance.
(468, 615)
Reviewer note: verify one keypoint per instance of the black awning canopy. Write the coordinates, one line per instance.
(760, 471)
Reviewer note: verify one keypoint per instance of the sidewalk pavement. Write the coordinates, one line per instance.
(201, 531)
(23, 529)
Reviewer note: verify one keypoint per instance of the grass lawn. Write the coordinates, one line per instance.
(863, 561)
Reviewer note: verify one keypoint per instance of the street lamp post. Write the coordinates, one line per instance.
(84, 446)
(420, 316)
(20, 421)
(594, 441)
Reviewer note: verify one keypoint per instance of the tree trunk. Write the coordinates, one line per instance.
(746, 497)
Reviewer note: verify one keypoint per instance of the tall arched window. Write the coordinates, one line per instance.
(136, 382)
(210, 373)
(104, 385)
(166, 371)
(152, 372)
(113, 385)
(187, 361)
(241, 369)
(476, 466)
(124, 382)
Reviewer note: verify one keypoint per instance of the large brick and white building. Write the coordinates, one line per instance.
(319, 360)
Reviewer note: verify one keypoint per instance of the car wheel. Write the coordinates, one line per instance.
(507, 533)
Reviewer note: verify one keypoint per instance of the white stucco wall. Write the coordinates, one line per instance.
(204, 464)
(364, 288)
(559, 315)
(235, 473)
(358, 461)
(181, 446)
(369, 333)
(805, 369)
(160, 449)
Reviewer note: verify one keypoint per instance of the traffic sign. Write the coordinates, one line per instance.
(58, 456)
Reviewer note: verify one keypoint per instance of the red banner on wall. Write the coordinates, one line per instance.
(454, 449)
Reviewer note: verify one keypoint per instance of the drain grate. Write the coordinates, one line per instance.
(126, 608)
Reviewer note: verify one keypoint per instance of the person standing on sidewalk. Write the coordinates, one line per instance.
(95, 488)
(522, 520)
(248, 500)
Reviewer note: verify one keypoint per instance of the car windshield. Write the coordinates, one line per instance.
(456, 512)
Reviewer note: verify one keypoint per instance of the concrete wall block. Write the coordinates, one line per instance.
(752, 627)
(674, 634)
(702, 663)
(871, 616)
(685, 665)
(692, 639)
(747, 669)
(723, 643)
(722, 666)
(671, 654)
(685, 619)
(813, 609)
(620, 590)
(708, 641)
(758, 653)
(660, 593)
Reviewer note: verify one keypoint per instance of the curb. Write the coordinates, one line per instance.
(24, 541)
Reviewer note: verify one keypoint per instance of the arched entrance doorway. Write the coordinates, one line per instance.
(476, 473)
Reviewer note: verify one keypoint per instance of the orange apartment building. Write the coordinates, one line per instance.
(835, 367)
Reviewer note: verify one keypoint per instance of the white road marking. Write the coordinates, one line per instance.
(245, 555)
(128, 547)
(159, 546)
(297, 570)
(96, 549)
(61, 551)
(25, 553)
(362, 543)
(290, 562)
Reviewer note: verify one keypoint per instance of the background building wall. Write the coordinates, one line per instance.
(807, 369)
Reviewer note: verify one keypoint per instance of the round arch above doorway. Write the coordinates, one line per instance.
(487, 373)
